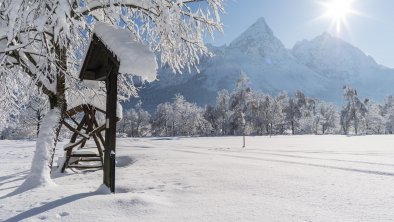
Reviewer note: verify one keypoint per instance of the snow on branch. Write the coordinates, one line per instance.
(174, 29)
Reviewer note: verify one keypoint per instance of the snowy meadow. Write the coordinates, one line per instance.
(279, 178)
(88, 131)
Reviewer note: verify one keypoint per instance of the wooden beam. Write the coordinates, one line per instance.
(100, 136)
(74, 130)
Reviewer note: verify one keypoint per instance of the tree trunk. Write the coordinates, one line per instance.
(355, 125)
(40, 173)
(292, 127)
(344, 128)
(166, 127)
(173, 128)
(61, 105)
(38, 115)
(124, 125)
(58, 101)
(355, 120)
(46, 140)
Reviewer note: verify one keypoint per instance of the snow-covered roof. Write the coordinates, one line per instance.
(135, 58)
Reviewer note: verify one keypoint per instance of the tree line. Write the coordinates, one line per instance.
(237, 112)
(243, 111)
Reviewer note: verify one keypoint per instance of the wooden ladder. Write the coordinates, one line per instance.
(78, 158)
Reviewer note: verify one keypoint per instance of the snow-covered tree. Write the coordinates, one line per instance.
(42, 41)
(388, 113)
(353, 112)
(162, 121)
(260, 113)
(211, 116)
(256, 111)
(374, 120)
(278, 121)
(188, 118)
(239, 100)
(328, 117)
(179, 108)
(310, 117)
(293, 110)
(24, 123)
(136, 122)
(345, 120)
(223, 112)
(12, 98)
(180, 118)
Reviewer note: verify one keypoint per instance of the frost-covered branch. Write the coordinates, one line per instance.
(172, 28)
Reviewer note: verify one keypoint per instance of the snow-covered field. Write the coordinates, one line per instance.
(284, 178)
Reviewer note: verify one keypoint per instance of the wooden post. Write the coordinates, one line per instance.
(101, 64)
(243, 146)
(110, 129)
(243, 128)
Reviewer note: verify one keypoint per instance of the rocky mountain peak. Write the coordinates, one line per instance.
(258, 39)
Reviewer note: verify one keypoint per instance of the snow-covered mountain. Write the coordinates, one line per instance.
(332, 57)
(342, 63)
(319, 67)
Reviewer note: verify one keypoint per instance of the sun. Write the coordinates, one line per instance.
(338, 11)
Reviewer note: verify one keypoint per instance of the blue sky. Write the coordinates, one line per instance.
(293, 20)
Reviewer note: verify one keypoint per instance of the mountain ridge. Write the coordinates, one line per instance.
(319, 67)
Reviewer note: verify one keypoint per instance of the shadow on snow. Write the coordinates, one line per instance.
(53, 204)
(375, 172)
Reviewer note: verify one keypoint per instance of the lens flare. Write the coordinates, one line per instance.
(338, 11)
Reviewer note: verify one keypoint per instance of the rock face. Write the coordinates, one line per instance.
(319, 67)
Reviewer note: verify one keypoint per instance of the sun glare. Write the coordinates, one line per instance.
(338, 11)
